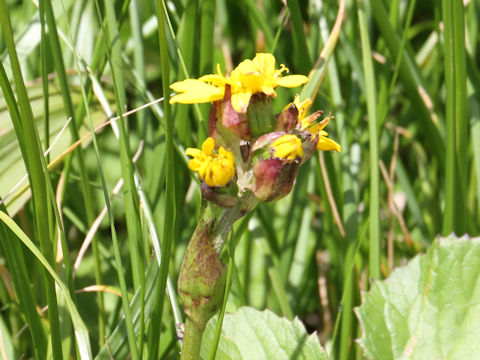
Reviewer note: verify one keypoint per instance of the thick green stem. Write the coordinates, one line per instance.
(227, 218)
(202, 277)
(192, 340)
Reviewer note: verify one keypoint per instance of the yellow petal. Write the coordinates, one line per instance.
(208, 145)
(194, 164)
(240, 101)
(196, 98)
(252, 82)
(245, 67)
(203, 169)
(268, 90)
(193, 152)
(309, 123)
(326, 144)
(214, 79)
(187, 85)
(198, 166)
(303, 107)
(265, 63)
(195, 91)
(223, 152)
(290, 81)
(288, 147)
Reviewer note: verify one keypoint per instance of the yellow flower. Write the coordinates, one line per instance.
(308, 123)
(216, 169)
(324, 143)
(248, 78)
(288, 147)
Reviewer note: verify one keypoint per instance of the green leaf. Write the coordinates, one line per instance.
(427, 309)
(253, 334)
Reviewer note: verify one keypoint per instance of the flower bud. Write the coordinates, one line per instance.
(235, 122)
(202, 278)
(261, 119)
(276, 158)
(288, 118)
(220, 196)
(274, 178)
(214, 168)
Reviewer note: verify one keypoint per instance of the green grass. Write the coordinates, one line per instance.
(391, 69)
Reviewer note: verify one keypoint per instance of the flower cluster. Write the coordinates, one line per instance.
(251, 155)
(264, 149)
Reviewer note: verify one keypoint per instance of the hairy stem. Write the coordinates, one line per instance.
(192, 340)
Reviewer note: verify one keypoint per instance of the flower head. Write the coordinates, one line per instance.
(216, 169)
(250, 77)
(316, 129)
(309, 123)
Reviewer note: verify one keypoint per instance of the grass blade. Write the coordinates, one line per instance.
(374, 215)
(81, 331)
(56, 51)
(33, 157)
(303, 59)
(170, 209)
(410, 78)
(456, 119)
(16, 262)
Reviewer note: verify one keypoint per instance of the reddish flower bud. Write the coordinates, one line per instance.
(235, 122)
(274, 178)
(288, 118)
(276, 158)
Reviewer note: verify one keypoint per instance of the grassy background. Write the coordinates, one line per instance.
(403, 85)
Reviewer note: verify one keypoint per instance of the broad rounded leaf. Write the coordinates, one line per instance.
(429, 309)
(252, 334)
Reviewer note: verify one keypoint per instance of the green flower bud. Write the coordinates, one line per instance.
(202, 278)
(261, 119)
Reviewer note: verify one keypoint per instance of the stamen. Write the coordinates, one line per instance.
(279, 72)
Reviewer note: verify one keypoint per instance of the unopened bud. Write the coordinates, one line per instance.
(202, 278)
(220, 196)
(235, 122)
(288, 118)
(276, 158)
(261, 119)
